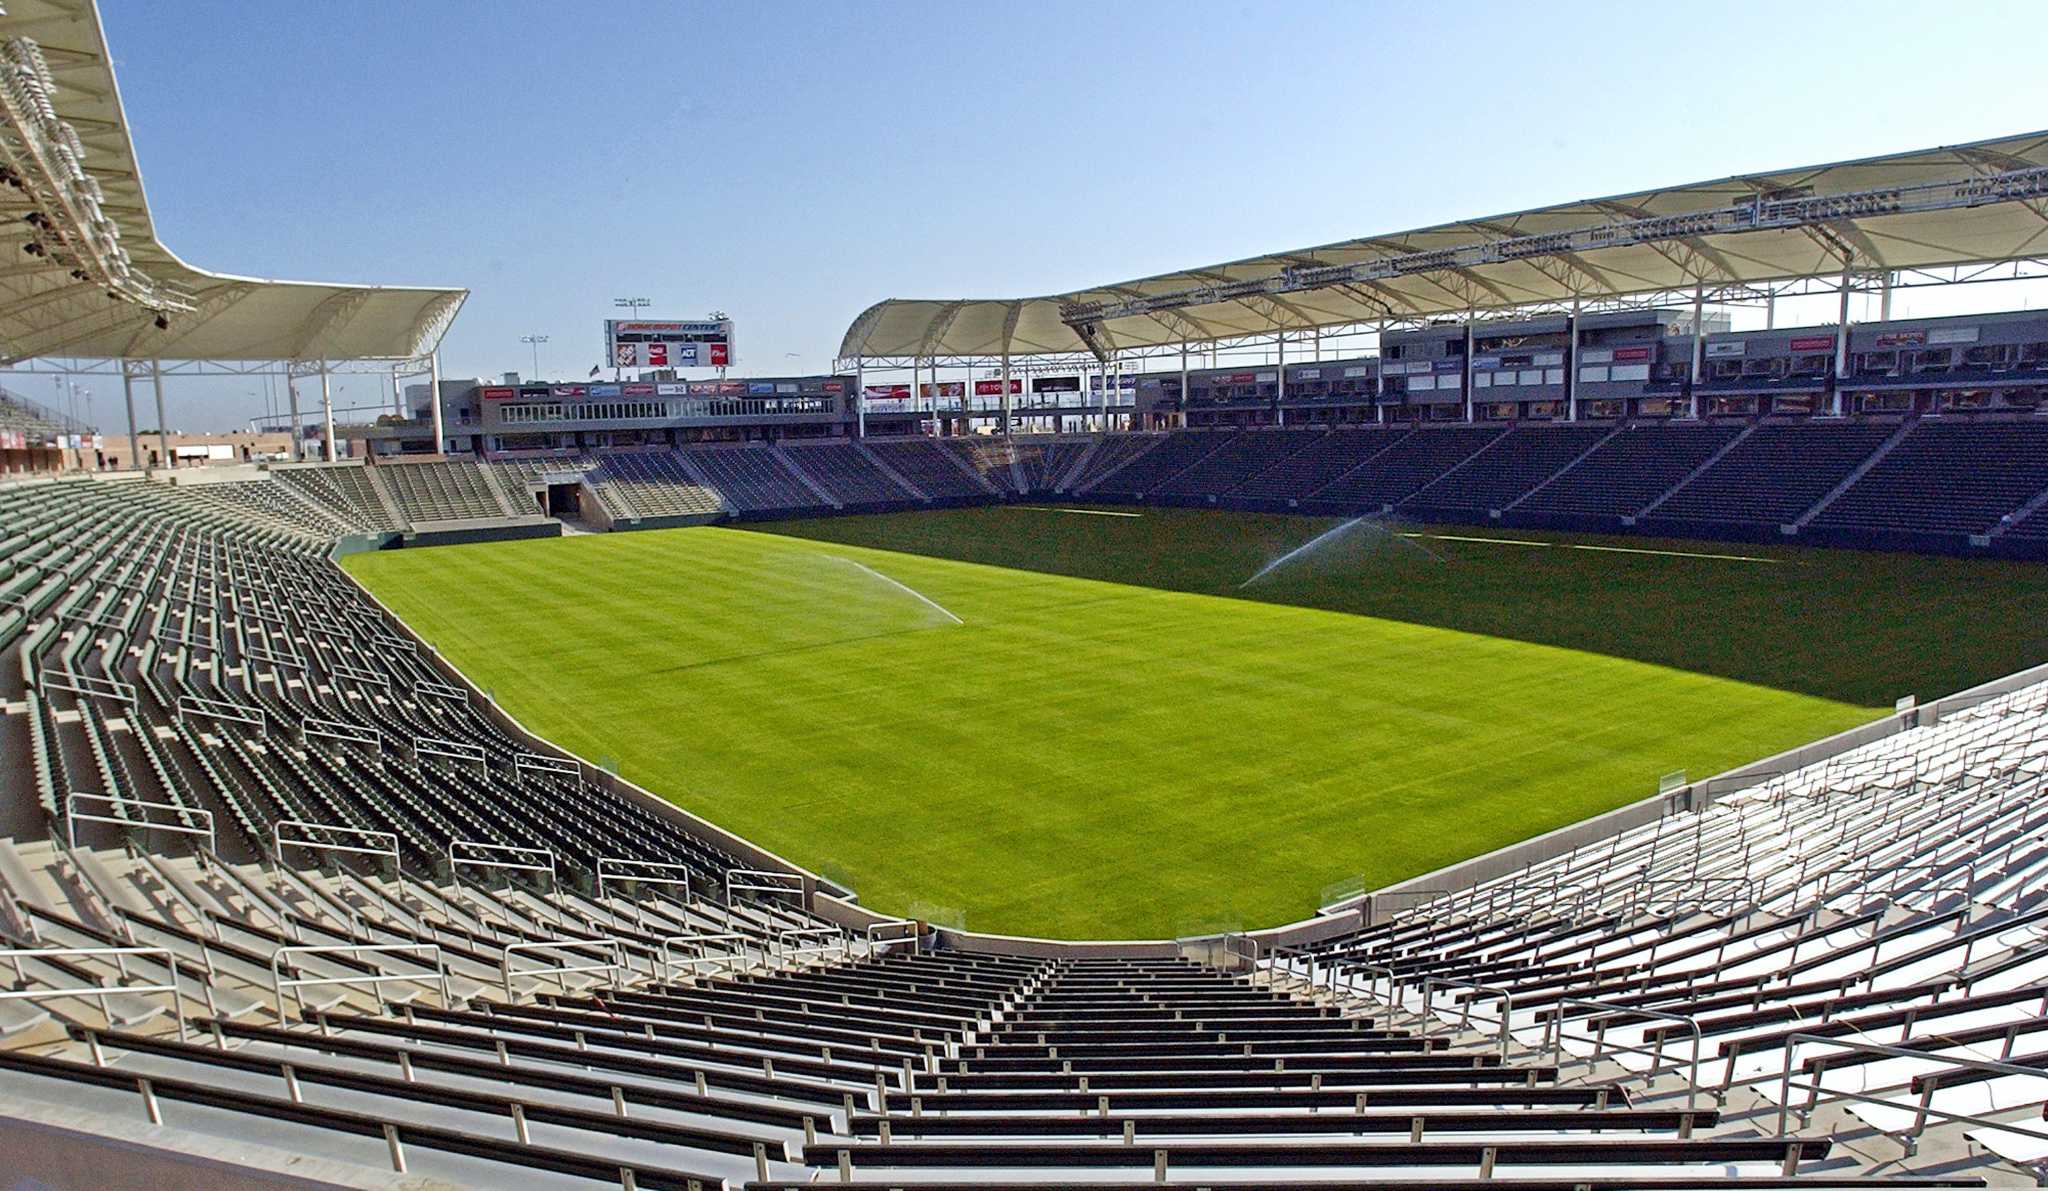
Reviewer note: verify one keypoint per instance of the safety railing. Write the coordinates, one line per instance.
(1465, 1015)
(175, 989)
(1928, 1083)
(881, 934)
(790, 945)
(708, 952)
(762, 881)
(622, 870)
(376, 980)
(614, 948)
(1554, 1035)
(73, 816)
(464, 853)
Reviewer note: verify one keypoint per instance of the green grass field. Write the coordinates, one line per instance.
(1120, 740)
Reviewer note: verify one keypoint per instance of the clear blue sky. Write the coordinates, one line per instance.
(792, 164)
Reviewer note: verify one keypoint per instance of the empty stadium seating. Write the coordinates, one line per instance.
(1946, 477)
(848, 474)
(654, 484)
(753, 478)
(1149, 469)
(1245, 456)
(1507, 469)
(1868, 928)
(452, 490)
(1776, 474)
(199, 953)
(1629, 471)
(1317, 465)
(935, 471)
(1390, 476)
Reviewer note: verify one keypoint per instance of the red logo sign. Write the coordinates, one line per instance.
(720, 354)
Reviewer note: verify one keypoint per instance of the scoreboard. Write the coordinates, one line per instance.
(654, 343)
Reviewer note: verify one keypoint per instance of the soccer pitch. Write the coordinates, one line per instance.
(1087, 724)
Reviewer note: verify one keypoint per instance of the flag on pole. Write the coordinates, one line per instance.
(593, 370)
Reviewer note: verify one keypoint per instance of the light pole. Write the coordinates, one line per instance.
(536, 341)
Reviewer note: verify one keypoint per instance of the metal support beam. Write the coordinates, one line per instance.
(128, 394)
(326, 413)
(163, 425)
(291, 392)
(1699, 341)
(434, 402)
(1842, 333)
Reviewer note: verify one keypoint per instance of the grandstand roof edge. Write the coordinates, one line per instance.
(2006, 226)
(231, 317)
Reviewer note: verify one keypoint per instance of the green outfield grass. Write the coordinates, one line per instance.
(1119, 740)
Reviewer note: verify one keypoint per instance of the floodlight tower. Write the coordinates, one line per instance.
(535, 341)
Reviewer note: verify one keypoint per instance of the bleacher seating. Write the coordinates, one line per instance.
(442, 490)
(1946, 477)
(1390, 476)
(1887, 897)
(196, 653)
(1239, 460)
(1624, 474)
(654, 484)
(1523, 458)
(1148, 470)
(992, 459)
(1321, 463)
(753, 479)
(849, 475)
(1109, 453)
(347, 491)
(1776, 474)
(1046, 464)
(937, 472)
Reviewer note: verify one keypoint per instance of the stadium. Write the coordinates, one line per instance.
(1500, 703)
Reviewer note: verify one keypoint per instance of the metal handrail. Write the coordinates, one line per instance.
(915, 936)
(669, 962)
(612, 967)
(785, 952)
(73, 816)
(426, 950)
(1553, 1038)
(100, 993)
(1817, 1094)
(1507, 1004)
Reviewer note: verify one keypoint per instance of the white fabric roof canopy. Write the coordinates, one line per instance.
(1881, 234)
(46, 311)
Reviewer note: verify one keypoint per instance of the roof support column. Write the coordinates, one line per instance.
(163, 424)
(1884, 299)
(1280, 380)
(915, 391)
(397, 394)
(1003, 421)
(291, 392)
(434, 402)
(1571, 364)
(1183, 384)
(1842, 335)
(860, 398)
(326, 413)
(1465, 372)
(128, 394)
(1699, 347)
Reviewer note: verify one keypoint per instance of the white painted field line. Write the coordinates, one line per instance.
(1080, 512)
(1452, 537)
(901, 586)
